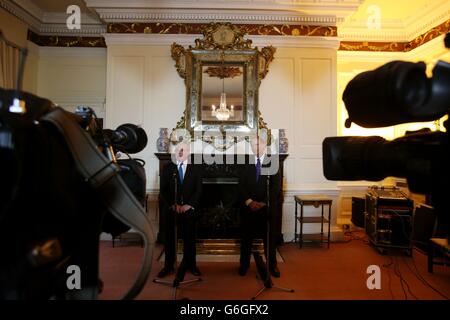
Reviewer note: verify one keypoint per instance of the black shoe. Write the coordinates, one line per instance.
(164, 272)
(274, 271)
(195, 271)
(243, 270)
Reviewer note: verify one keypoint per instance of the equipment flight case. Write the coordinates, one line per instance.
(388, 219)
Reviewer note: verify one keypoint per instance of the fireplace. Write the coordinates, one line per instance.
(219, 209)
(220, 218)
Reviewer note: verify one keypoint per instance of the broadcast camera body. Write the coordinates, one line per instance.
(50, 217)
(397, 92)
(127, 138)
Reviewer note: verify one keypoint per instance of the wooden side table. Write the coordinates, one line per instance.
(316, 201)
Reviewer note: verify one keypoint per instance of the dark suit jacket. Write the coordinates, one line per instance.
(187, 193)
(249, 188)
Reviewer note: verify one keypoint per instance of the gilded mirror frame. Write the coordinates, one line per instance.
(244, 58)
(222, 43)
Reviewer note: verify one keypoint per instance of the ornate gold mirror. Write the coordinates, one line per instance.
(222, 75)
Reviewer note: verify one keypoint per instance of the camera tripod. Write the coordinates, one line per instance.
(176, 283)
(267, 281)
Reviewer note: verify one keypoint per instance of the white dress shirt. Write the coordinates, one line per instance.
(261, 159)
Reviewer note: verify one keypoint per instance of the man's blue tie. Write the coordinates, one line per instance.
(180, 172)
(258, 169)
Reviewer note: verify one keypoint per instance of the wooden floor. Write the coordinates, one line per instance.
(315, 273)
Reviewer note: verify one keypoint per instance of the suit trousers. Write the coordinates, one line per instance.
(254, 226)
(186, 229)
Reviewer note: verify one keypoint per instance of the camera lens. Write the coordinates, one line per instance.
(413, 87)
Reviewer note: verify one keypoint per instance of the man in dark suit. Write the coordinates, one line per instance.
(182, 212)
(253, 179)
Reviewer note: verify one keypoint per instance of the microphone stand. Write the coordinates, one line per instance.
(267, 282)
(175, 283)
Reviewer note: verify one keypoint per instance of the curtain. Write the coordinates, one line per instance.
(9, 65)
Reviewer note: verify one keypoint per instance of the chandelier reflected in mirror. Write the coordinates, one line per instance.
(222, 113)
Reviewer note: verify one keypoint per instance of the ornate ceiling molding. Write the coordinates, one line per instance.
(197, 28)
(311, 5)
(30, 7)
(61, 29)
(267, 11)
(406, 46)
(45, 23)
(397, 30)
(424, 24)
(191, 16)
(66, 41)
(20, 13)
(285, 23)
(430, 52)
(55, 24)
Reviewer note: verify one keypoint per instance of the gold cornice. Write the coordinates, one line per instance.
(378, 46)
(280, 30)
(374, 46)
(249, 29)
(66, 41)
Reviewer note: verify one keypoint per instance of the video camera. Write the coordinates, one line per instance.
(128, 138)
(397, 92)
(48, 164)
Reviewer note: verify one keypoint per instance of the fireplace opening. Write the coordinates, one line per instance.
(220, 209)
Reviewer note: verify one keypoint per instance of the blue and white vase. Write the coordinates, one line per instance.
(283, 143)
(162, 143)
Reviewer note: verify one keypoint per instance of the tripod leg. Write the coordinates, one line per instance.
(175, 293)
(259, 292)
(283, 289)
